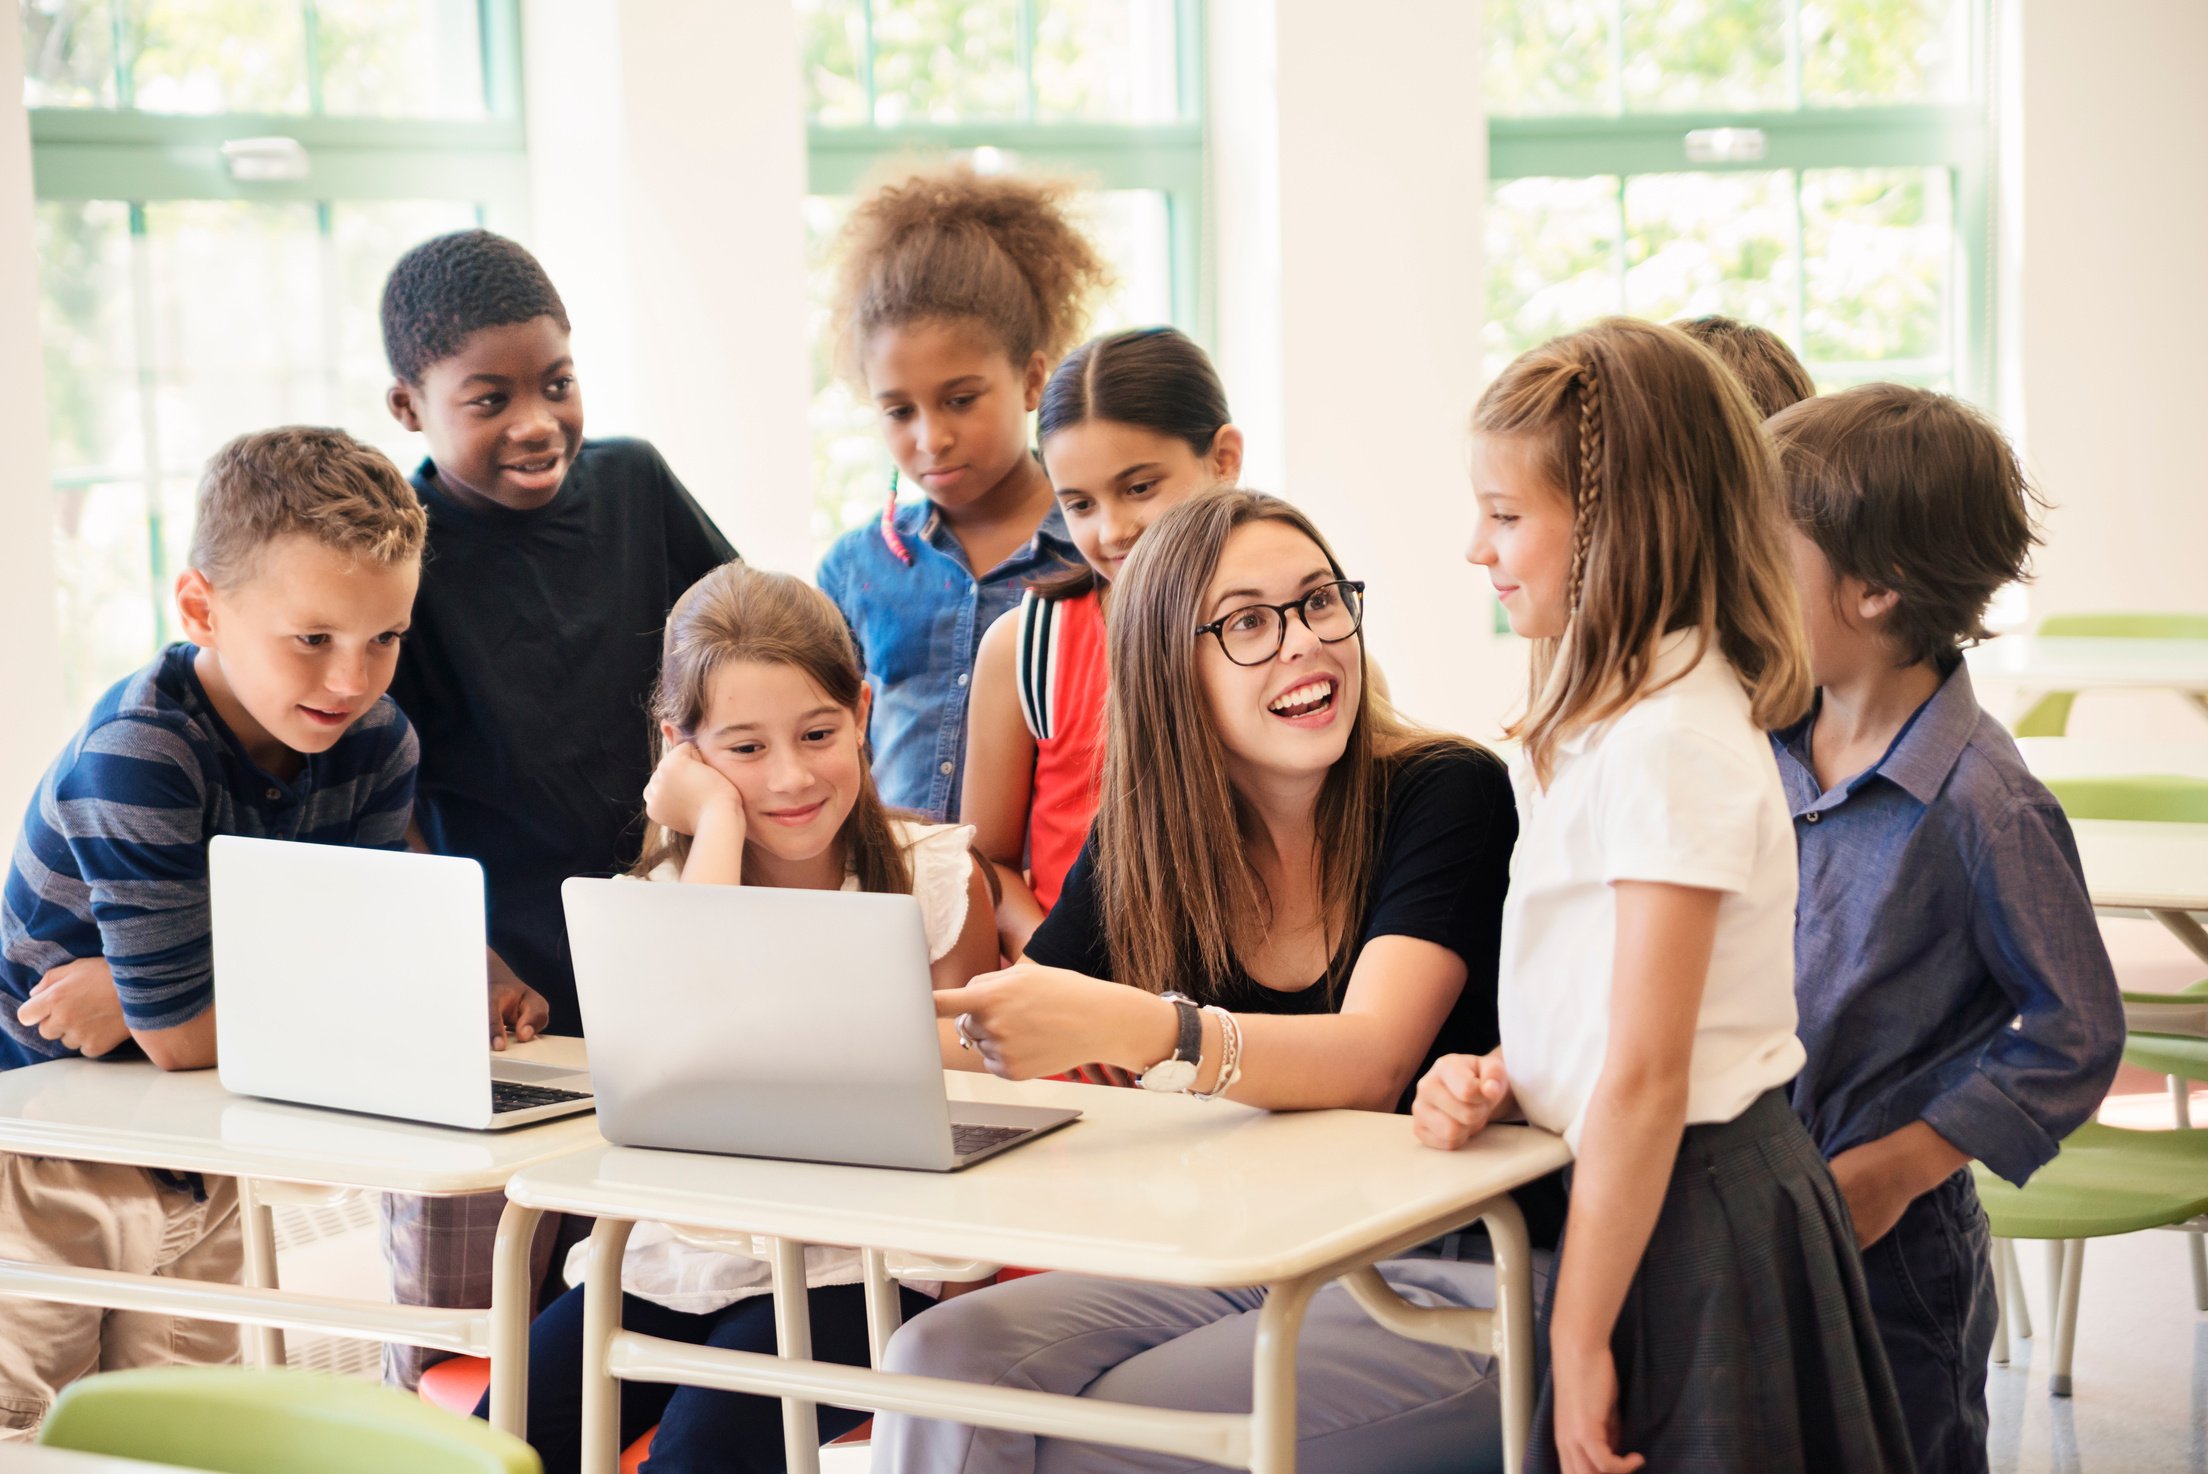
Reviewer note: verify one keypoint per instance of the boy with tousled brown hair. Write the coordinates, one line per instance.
(1956, 1001)
(269, 721)
(1766, 367)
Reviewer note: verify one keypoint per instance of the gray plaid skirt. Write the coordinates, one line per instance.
(1746, 1343)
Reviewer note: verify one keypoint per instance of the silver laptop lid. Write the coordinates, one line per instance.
(760, 1022)
(351, 978)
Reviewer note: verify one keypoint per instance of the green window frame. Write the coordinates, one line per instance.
(847, 139)
(1956, 137)
(120, 153)
(1167, 157)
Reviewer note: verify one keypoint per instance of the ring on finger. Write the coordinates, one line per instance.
(965, 1040)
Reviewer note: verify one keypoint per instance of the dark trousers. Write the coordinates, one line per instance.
(699, 1429)
(1931, 1284)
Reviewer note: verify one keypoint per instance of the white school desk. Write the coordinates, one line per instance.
(2054, 758)
(2161, 869)
(133, 1113)
(2040, 663)
(31, 1458)
(1166, 1189)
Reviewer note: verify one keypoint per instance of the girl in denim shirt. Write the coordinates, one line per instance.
(956, 294)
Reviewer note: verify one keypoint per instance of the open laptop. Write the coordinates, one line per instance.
(355, 978)
(758, 1022)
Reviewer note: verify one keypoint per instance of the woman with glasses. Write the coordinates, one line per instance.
(1292, 898)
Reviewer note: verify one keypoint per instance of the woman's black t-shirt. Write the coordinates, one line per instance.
(1447, 829)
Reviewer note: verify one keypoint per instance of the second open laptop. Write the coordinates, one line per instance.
(356, 979)
(760, 1022)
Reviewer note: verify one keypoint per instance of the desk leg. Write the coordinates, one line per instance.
(884, 1312)
(793, 1339)
(2186, 928)
(1514, 1313)
(513, 1298)
(264, 1344)
(609, 1238)
(1273, 1384)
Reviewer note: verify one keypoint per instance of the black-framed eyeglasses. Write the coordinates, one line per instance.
(1252, 634)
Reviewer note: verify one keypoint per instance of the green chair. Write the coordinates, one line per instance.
(2164, 1032)
(2050, 715)
(2106, 1181)
(239, 1421)
(2109, 1181)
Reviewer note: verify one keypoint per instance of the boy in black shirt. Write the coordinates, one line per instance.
(552, 563)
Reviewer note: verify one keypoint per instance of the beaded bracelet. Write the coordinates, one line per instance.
(1230, 1059)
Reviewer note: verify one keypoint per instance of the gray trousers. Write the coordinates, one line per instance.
(1366, 1398)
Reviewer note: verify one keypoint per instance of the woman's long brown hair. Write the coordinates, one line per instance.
(1180, 898)
(740, 613)
(1678, 523)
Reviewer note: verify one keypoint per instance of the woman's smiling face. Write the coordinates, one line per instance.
(1291, 715)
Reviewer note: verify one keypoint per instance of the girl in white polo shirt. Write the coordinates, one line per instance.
(1709, 1311)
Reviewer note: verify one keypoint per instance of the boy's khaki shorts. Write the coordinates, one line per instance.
(98, 1216)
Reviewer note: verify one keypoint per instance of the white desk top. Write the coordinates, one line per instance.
(2138, 865)
(2083, 757)
(1143, 1186)
(2070, 663)
(130, 1111)
(31, 1458)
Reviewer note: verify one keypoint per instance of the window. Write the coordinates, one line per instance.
(1818, 167)
(1106, 90)
(222, 185)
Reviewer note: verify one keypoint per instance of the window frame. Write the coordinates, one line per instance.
(1165, 157)
(1958, 137)
(119, 153)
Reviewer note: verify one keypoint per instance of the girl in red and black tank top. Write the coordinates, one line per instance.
(1130, 425)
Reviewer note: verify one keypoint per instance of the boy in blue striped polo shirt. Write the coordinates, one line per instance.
(271, 722)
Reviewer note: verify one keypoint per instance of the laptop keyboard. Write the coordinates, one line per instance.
(508, 1096)
(968, 1140)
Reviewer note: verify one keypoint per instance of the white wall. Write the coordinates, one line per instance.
(2113, 297)
(667, 172)
(1348, 179)
(2109, 309)
(34, 725)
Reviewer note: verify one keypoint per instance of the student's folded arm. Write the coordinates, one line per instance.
(186, 1046)
(1000, 779)
(136, 828)
(1365, 1056)
(2040, 1078)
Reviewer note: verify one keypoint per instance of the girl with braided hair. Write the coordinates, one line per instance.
(1708, 1311)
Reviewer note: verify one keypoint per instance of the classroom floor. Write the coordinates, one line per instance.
(2139, 1375)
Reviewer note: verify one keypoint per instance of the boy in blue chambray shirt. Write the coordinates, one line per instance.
(1956, 1000)
(271, 722)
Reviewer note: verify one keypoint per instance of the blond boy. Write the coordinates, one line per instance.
(270, 721)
